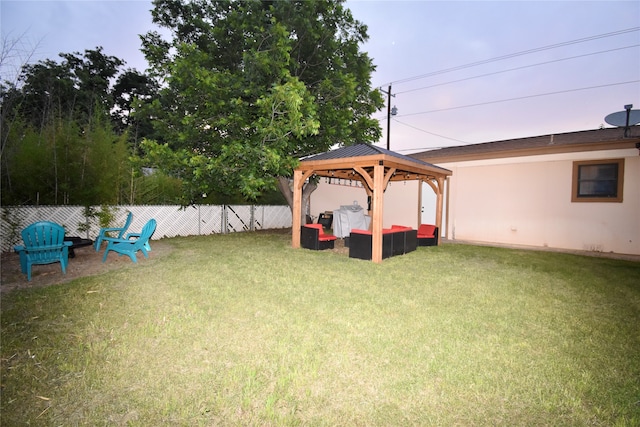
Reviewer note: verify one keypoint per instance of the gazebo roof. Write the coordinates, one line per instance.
(340, 163)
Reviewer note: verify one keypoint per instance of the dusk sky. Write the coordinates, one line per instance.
(461, 71)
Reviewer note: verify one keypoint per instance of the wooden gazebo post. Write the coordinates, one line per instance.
(438, 188)
(298, 182)
(439, 203)
(376, 220)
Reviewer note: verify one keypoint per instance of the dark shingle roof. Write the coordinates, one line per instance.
(363, 150)
(564, 141)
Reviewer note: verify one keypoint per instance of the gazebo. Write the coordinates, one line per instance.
(374, 167)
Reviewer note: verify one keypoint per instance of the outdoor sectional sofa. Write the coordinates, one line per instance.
(397, 240)
(427, 235)
(312, 237)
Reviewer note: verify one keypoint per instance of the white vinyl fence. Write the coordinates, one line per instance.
(172, 220)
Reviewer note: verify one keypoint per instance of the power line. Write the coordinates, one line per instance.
(517, 68)
(430, 133)
(516, 54)
(521, 97)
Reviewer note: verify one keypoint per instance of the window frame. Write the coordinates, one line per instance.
(576, 182)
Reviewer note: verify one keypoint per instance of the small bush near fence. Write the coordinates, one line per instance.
(172, 220)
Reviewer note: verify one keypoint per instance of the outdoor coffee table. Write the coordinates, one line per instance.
(77, 242)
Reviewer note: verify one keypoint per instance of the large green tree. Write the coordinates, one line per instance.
(249, 87)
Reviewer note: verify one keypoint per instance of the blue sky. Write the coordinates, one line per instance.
(461, 71)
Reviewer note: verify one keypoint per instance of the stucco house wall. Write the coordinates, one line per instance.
(527, 201)
(518, 192)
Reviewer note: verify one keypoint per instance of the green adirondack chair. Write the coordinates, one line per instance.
(132, 243)
(43, 244)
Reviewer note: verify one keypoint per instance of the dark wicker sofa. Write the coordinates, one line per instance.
(397, 240)
(428, 235)
(312, 237)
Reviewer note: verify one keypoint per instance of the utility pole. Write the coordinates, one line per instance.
(390, 112)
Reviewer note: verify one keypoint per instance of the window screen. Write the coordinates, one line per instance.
(597, 181)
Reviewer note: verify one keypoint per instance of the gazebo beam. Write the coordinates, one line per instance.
(388, 177)
(365, 176)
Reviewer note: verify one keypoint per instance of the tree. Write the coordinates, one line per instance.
(251, 86)
(15, 54)
(61, 133)
(69, 89)
(63, 163)
(132, 87)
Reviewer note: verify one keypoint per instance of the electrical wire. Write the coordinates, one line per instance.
(520, 97)
(516, 54)
(494, 102)
(518, 68)
(504, 57)
(430, 133)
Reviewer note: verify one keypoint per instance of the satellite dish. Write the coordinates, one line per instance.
(620, 118)
(625, 118)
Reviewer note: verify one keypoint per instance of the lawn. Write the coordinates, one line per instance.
(242, 329)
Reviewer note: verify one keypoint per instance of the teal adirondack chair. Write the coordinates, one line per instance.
(132, 243)
(104, 232)
(43, 244)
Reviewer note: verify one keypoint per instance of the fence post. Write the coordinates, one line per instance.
(252, 226)
(224, 224)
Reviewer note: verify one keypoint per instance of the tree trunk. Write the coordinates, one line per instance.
(284, 184)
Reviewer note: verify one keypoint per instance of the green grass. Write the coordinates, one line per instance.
(244, 330)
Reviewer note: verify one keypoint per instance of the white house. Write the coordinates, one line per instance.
(573, 191)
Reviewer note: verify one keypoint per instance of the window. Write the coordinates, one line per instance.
(598, 181)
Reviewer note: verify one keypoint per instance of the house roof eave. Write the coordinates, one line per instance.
(602, 139)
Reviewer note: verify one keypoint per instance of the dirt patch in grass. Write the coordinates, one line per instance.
(87, 262)
(340, 248)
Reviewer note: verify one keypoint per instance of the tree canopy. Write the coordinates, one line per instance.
(248, 87)
(237, 93)
(68, 136)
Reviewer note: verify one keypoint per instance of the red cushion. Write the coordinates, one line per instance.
(426, 230)
(400, 227)
(321, 236)
(358, 231)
